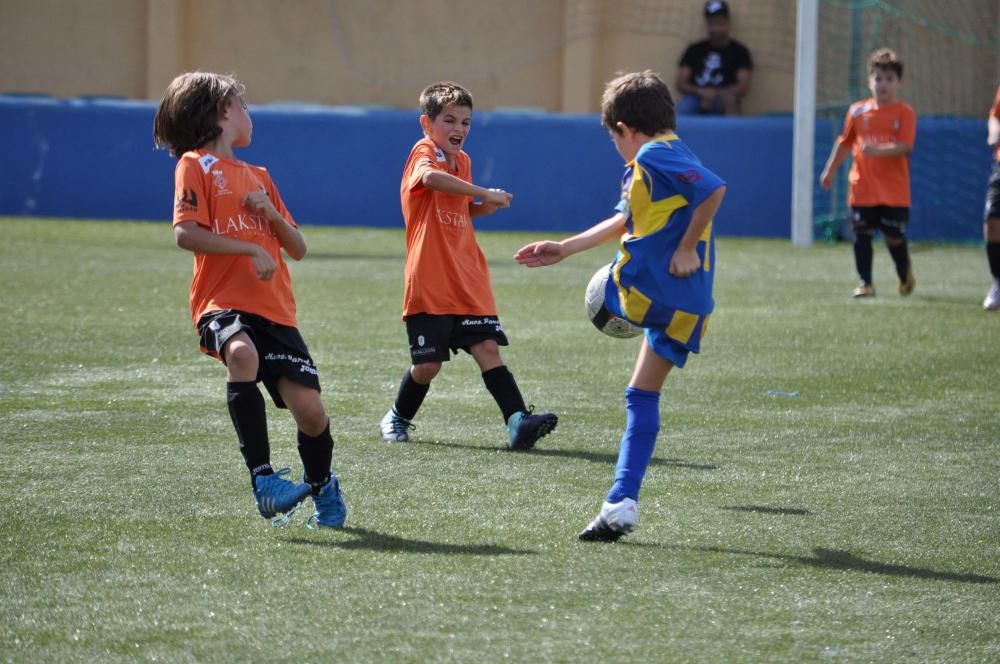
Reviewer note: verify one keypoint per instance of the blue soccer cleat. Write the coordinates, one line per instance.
(331, 511)
(525, 428)
(276, 495)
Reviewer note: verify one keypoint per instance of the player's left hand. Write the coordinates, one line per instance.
(684, 263)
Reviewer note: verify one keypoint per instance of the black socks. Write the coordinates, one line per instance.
(500, 382)
(901, 257)
(993, 256)
(411, 394)
(863, 256)
(246, 408)
(316, 454)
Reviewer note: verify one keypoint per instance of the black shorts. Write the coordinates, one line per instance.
(890, 220)
(281, 351)
(992, 210)
(431, 335)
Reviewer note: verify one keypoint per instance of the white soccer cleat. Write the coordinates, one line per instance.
(992, 301)
(394, 428)
(613, 521)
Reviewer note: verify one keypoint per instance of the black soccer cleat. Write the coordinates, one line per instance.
(598, 531)
(524, 428)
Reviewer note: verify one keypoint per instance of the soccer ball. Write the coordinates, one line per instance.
(604, 320)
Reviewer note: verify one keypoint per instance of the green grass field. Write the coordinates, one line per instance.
(857, 521)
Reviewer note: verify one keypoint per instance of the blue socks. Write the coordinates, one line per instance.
(642, 424)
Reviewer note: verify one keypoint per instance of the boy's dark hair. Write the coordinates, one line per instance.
(640, 100)
(885, 59)
(436, 96)
(188, 115)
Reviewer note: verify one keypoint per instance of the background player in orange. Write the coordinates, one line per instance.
(448, 300)
(991, 224)
(231, 216)
(879, 132)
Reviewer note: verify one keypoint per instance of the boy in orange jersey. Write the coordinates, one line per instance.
(448, 301)
(991, 223)
(231, 216)
(879, 132)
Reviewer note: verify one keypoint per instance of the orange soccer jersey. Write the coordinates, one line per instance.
(995, 113)
(879, 180)
(209, 191)
(446, 271)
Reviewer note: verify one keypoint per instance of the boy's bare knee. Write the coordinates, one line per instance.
(241, 358)
(313, 421)
(307, 408)
(425, 373)
(487, 354)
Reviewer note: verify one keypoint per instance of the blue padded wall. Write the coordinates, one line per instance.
(94, 158)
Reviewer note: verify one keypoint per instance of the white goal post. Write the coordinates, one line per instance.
(803, 174)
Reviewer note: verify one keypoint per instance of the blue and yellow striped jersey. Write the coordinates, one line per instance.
(661, 188)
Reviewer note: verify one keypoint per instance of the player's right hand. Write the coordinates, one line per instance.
(498, 197)
(538, 254)
(264, 264)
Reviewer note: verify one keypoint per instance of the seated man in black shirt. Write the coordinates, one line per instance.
(714, 74)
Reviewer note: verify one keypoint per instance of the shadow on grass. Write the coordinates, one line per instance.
(375, 541)
(845, 560)
(761, 509)
(595, 457)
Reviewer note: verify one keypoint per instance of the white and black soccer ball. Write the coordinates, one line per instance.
(604, 320)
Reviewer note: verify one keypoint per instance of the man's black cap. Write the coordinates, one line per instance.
(716, 8)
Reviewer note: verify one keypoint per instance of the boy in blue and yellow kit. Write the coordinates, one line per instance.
(661, 278)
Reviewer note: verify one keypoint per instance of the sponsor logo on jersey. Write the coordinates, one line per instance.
(455, 220)
(440, 155)
(689, 176)
(206, 162)
(254, 223)
(187, 201)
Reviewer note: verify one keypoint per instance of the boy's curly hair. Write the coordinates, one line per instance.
(885, 59)
(436, 96)
(188, 115)
(640, 100)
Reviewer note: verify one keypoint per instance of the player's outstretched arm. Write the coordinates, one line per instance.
(497, 199)
(449, 184)
(895, 149)
(547, 252)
